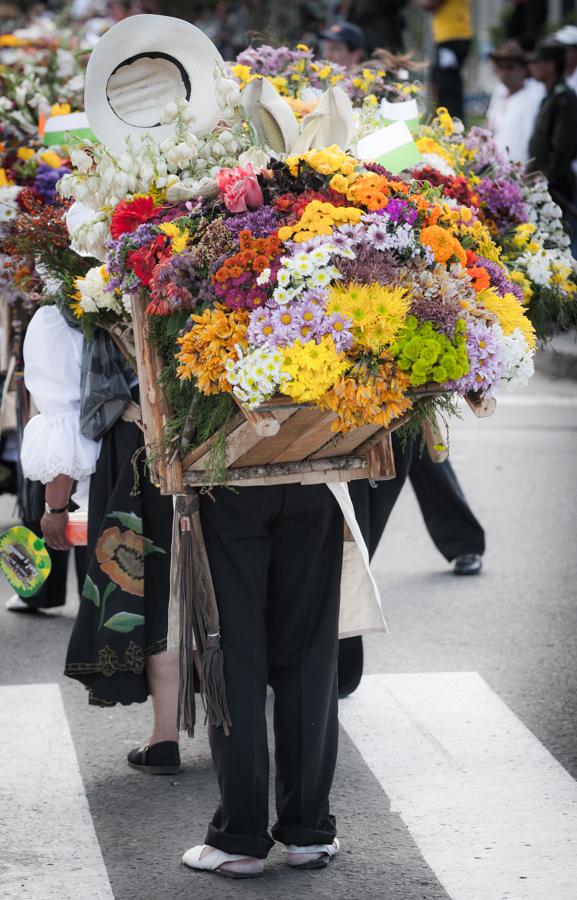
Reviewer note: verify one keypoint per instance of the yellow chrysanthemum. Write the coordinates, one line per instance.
(521, 279)
(25, 153)
(510, 314)
(377, 311)
(319, 218)
(178, 238)
(242, 74)
(313, 368)
(52, 159)
(60, 109)
(429, 145)
(445, 121)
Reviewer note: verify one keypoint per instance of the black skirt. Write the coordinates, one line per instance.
(123, 612)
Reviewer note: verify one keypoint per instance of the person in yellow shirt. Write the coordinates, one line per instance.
(452, 34)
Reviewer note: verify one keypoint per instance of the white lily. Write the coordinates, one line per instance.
(277, 126)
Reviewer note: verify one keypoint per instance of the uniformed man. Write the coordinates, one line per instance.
(553, 144)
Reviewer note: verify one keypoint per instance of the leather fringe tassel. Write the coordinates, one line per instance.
(198, 617)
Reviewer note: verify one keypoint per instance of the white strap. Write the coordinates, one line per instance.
(311, 849)
(211, 861)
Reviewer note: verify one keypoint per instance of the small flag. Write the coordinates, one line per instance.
(62, 130)
(392, 147)
(407, 112)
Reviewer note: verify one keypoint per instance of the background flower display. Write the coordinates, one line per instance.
(525, 224)
(301, 78)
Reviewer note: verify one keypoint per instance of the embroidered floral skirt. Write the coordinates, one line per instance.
(123, 611)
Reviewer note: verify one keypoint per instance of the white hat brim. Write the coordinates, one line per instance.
(138, 36)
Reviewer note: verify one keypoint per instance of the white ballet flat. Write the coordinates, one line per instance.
(326, 851)
(212, 862)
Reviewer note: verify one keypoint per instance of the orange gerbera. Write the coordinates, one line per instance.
(443, 244)
(479, 277)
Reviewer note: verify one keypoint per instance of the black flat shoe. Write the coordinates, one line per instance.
(468, 564)
(157, 759)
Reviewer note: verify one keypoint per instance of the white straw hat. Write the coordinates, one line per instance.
(567, 35)
(140, 65)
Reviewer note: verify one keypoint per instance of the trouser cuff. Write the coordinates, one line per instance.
(302, 836)
(244, 844)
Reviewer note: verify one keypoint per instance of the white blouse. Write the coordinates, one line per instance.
(53, 444)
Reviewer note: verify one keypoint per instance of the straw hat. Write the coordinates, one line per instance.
(140, 65)
(510, 51)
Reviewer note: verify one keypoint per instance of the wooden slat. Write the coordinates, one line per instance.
(294, 426)
(316, 436)
(381, 460)
(155, 413)
(198, 452)
(344, 444)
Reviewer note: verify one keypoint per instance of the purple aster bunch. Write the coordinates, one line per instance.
(122, 278)
(398, 210)
(46, 180)
(444, 316)
(369, 266)
(499, 279)
(488, 157)
(486, 361)
(261, 222)
(504, 201)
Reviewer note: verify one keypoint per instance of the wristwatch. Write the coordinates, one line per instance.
(52, 510)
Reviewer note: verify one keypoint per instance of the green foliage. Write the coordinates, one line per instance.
(210, 413)
(428, 409)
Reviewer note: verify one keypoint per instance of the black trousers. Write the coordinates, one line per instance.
(449, 520)
(275, 554)
(447, 78)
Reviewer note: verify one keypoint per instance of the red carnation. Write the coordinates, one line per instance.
(143, 261)
(129, 214)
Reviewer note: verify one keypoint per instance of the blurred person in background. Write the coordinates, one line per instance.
(553, 143)
(381, 20)
(515, 101)
(344, 44)
(526, 20)
(452, 33)
(454, 529)
(568, 37)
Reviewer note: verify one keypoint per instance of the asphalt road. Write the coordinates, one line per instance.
(466, 736)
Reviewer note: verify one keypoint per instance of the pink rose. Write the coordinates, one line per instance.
(240, 189)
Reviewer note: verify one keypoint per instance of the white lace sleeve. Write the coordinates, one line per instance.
(52, 442)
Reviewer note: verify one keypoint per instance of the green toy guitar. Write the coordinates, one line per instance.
(24, 560)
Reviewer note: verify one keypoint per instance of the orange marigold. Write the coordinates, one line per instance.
(370, 190)
(443, 244)
(209, 344)
(364, 399)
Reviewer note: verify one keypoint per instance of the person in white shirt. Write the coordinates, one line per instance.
(515, 102)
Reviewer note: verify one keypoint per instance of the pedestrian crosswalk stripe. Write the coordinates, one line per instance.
(49, 846)
(493, 813)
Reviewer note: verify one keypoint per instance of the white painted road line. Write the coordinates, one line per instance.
(48, 846)
(493, 813)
